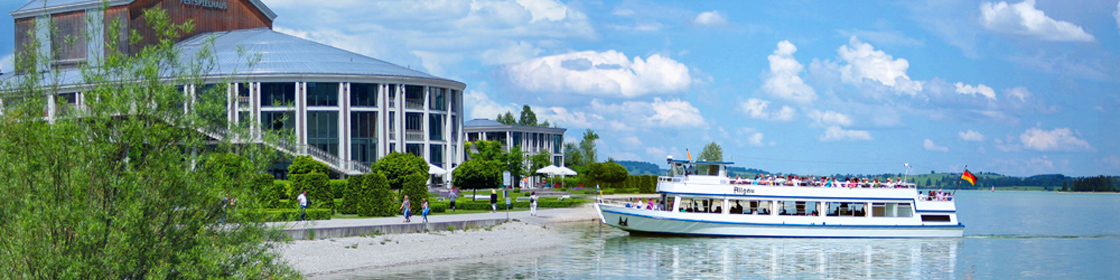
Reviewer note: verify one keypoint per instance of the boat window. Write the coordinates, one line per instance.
(849, 209)
(702, 205)
(883, 209)
(798, 208)
(746, 206)
(935, 218)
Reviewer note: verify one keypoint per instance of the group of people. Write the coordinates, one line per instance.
(826, 182)
(938, 196)
(651, 205)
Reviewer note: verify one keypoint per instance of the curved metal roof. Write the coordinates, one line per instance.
(482, 123)
(41, 7)
(286, 54)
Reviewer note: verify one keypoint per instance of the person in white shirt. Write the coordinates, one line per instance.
(302, 198)
(533, 204)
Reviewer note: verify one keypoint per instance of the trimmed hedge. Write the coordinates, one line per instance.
(280, 215)
(318, 190)
(350, 194)
(546, 202)
(338, 187)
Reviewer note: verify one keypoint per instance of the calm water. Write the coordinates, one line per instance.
(1007, 235)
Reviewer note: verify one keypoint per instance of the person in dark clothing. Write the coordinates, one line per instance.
(493, 201)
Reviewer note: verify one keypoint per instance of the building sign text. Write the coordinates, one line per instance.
(212, 4)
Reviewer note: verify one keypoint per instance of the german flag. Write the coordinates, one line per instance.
(967, 176)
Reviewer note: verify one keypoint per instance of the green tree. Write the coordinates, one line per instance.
(318, 189)
(588, 152)
(609, 172)
(375, 198)
(306, 164)
(486, 150)
(711, 152)
(116, 193)
(416, 189)
(545, 124)
(477, 173)
(515, 164)
(539, 160)
(396, 166)
(506, 119)
(351, 196)
(528, 118)
(572, 154)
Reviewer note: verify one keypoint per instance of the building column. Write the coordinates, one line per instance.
(301, 114)
(425, 127)
(344, 121)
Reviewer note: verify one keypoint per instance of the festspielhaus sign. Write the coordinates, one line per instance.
(212, 4)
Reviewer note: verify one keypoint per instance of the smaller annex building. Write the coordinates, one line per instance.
(345, 109)
(532, 139)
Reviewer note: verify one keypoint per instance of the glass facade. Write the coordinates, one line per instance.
(437, 102)
(363, 137)
(415, 149)
(278, 94)
(322, 130)
(322, 94)
(414, 97)
(363, 95)
(435, 127)
(435, 154)
(278, 121)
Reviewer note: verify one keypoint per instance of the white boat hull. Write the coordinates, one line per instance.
(664, 222)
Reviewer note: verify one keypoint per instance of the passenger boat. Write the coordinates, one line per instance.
(698, 198)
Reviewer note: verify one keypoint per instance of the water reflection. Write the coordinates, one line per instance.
(608, 253)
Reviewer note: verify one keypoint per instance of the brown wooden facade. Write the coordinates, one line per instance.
(69, 39)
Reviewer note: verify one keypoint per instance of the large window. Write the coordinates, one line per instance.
(363, 138)
(322, 94)
(437, 101)
(413, 126)
(414, 97)
(415, 149)
(435, 155)
(278, 94)
(278, 120)
(798, 208)
(363, 95)
(847, 209)
(435, 127)
(322, 130)
(880, 209)
(760, 207)
(557, 143)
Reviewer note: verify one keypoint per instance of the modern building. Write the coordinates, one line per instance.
(531, 139)
(345, 109)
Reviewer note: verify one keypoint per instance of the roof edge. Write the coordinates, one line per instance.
(264, 9)
(20, 13)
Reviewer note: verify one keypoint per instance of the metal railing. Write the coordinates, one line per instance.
(414, 135)
(285, 146)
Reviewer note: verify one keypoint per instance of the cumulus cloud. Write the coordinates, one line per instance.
(567, 118)
(6, 64)
(1024, 19)
(759, 109)
(835, 133)
(710, 19)
(608, 73)
(971, 135)
(864, 62)
(482, 107)
(753, 138)
(829, 118)
(512, 52)
(980, 89)
(1058, 139)
(930, 146)
(674, 113)
(784, 80)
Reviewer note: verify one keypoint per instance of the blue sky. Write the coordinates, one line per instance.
(1018, 88)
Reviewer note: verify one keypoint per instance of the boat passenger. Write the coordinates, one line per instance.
(638, 205)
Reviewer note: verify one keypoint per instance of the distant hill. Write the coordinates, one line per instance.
(641, 167)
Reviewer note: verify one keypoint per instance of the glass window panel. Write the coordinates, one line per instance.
(278, 94)
(363, 95)
(322, 94)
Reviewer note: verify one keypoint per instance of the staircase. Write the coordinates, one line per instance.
(335, 163)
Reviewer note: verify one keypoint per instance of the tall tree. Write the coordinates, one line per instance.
(116, 193)
(587, 146)
(572, 154)
(397, 166)
(528, 118)
(711, 152)
(506, 119)
(515, 164)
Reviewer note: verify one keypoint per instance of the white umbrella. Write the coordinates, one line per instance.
(435, 170)
(549, 170)
(565, 171)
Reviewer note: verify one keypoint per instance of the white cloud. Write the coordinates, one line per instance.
(784, 80)
(482, 107)
(754, 138)
(710, 19)
(757, 109)
(565, 118)
(674, 113)
(971, 135)
(930, 146)
(6, 64)
(1058, 139)
(829, 118)
(1024, 19)
(512, 52)
(835, 133)
(632, 141)
(1116, 14)
(1020, 93)
(980, 89)
(607, 73)
(864, 62)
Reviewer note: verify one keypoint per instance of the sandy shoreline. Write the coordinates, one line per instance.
(325, 257)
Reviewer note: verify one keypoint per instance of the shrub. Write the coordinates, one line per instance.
(350, 194)
(316, 185)
(416, 189)
(305, 165)
(281, 215)
(266, 191)
(374, 198)
(338, 187)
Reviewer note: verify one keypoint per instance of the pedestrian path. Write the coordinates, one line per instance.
(337, 228)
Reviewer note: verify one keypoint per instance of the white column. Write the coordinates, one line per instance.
(51, 108)
(425, 126)
(344, 121)
(301, 114)
(382, 120)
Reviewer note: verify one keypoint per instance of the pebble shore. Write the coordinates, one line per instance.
(325, 257)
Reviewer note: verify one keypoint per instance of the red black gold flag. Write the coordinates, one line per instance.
(967, 176)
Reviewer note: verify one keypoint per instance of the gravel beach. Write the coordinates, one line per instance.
(324, 257)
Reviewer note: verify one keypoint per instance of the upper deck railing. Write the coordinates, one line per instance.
(792, 183)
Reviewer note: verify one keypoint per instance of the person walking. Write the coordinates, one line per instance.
(451, 196)
(407, 208)
(493, 201)
(532, 203)
(302, 198)
(424, 209)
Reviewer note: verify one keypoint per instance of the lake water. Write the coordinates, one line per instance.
(1008, 235)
